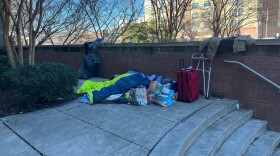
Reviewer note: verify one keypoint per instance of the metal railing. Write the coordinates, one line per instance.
(258, 74)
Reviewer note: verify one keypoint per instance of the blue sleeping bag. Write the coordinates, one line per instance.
(120, 87)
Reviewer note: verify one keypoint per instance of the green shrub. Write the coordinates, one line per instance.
(4, 64)
(3, 51)
(4, 67)
(34, 84)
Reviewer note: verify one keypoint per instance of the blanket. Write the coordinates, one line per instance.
(97, 91)
(212, 44)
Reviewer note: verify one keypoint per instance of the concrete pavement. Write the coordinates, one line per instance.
(75, 128)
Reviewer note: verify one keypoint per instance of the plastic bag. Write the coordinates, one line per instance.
(162, 96)
(138, 96)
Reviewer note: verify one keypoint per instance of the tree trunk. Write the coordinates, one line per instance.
(19, 44)
(32, 46)
(6, 25)
(30, 51)
(19, 35)
(9, 50)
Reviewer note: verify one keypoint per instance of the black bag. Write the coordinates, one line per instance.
(90, 66)
(226, 46)
(91, 60)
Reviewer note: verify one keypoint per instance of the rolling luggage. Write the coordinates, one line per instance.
(187, 80)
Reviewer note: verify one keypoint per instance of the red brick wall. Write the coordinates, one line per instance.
(228, 80)
(157, 61)
(71, 55)
(232, 81)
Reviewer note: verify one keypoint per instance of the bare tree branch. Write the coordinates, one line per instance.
(227, 17)
(169, 18)
(110, 18)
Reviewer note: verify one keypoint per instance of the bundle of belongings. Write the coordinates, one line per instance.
(132, 88)
(217, 45)
(163, 95)
(91, 60)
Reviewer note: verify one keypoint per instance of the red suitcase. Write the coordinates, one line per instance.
(188, 89)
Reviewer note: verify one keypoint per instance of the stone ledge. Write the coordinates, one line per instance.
(162, 44)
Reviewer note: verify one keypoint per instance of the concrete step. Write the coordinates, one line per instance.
(264, 145)
(276, 152)
(239, 141)
(183, 134)
(212, 138)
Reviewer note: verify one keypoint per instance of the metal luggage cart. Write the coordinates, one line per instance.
(202, 63)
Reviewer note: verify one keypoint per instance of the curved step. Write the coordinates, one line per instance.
(240, 140)
(212, 138)
(181, 136)
(264, 145)
(276, 152)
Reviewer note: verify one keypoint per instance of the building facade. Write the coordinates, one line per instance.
(148, 10)
(237, 17)
(269, 25)
(263, 22)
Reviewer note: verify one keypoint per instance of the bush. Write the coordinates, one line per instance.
(4, 67)
(34, 84)
(4, 64)
(3, 51)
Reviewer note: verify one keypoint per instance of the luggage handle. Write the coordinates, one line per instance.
(182, 64)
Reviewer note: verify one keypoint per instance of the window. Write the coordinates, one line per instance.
(236, 2)
(274, 23)
(195, 5)
(240, 11)
(232, 2)
(195, 26)
(195, 15)
(207, 3)
(206, 15)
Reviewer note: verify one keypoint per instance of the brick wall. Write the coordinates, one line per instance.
(228, 80)
(71, 55)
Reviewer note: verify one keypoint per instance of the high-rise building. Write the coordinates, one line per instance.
(168, 14)
(148, 10)
(269, 25)
(234, 17)
(264, 24)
